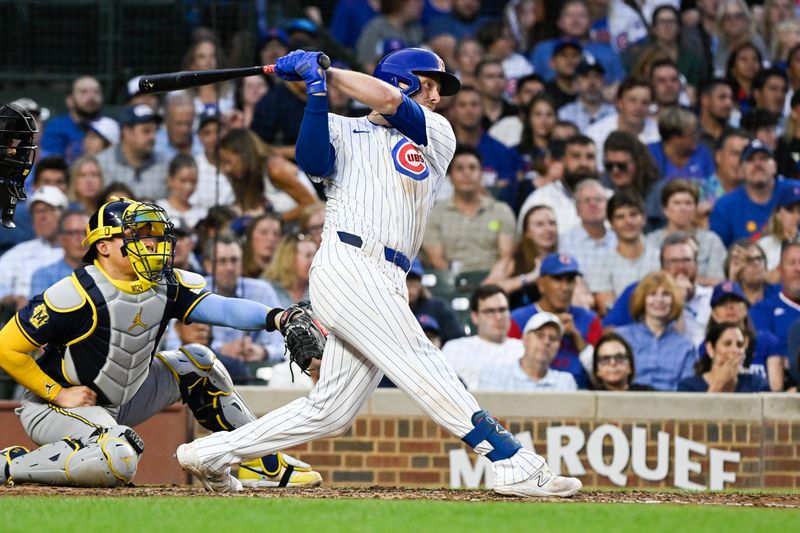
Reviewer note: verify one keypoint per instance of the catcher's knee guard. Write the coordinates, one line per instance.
(207, 387)
(107, 459)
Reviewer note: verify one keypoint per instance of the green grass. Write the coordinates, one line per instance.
(229, 515)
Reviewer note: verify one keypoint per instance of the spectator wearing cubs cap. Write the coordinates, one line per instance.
(744, 212)
(533, 372)
(581, 327)
(567, 54)
(134, 160)
(431, 328)
(783, 225)
(422, 302)
(763, 356)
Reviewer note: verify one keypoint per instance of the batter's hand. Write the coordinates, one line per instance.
(299, 65)
(78, 396)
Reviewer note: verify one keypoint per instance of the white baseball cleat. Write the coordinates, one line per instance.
(213, 481)
(543, 483)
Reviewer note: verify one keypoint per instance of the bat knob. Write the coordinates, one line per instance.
(146, 85)
(324, 61)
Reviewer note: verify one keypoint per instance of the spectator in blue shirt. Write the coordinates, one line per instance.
(444, 31)
(662, 355)
(746, 264)
(349, 18)
(500, 164)
(721, 369)
(574, 23)
(777, 313)
(679, 154)
(71, 231)
(744, 212)
(64, 134)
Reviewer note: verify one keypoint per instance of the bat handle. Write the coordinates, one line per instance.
(323, 61)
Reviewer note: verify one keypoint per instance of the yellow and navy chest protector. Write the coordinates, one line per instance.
(103, 333)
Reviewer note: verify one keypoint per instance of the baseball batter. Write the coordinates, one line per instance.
(381, 173)
(98, 376)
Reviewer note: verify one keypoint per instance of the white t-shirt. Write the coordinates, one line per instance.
(469, 355)
(512, 378)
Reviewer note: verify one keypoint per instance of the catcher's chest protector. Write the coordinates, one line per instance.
(115, 357)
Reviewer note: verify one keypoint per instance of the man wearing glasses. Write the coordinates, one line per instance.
(492, 346)
(71, 231)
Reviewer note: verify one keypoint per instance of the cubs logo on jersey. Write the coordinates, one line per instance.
(408, 160)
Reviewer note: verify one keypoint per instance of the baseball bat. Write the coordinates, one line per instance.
(173, 81)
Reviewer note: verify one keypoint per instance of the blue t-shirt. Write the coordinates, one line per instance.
(602, 52)
(503, 163)
(567, 357)
(46, 276)
(735, 215)
(349, 19)
(699, 168)
(62, 137)
(745, 383)
(776, 315)
(451, 25)
(765, 345)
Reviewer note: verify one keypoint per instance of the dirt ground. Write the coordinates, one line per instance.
(627, 496)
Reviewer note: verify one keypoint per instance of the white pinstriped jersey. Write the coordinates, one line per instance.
(383, 185)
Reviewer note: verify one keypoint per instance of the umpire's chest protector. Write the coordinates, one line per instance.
(113, 358)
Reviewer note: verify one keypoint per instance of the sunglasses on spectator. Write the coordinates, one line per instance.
(618, 358)
(619, 165)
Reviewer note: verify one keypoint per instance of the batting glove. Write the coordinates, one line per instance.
(284, 66)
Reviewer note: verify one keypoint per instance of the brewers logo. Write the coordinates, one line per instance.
(408, 160)
(39, 317)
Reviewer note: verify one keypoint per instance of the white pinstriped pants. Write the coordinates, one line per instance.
(363, 301)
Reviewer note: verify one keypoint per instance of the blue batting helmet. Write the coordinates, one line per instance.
(403, 66)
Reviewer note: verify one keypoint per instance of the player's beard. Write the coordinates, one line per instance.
(87, 116)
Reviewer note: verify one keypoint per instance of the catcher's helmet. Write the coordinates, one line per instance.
(17, 154)
(134, 221)
(403, 66)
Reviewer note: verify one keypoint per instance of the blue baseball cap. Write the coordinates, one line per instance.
(753, 147)
(428, 323)
(567, 43)
(789, 196)
(273, 34)
(728, 289)
(138, 114)
(301, 24)
(559, 264)
(589, 64)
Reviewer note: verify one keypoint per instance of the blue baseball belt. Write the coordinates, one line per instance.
(391, 255)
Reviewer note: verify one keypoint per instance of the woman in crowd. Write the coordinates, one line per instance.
(468, 54)
(204, 54)
(747, 264)
(629, 164)
(786, 37)
(721, 369)
(261, 179)
(773, 14)
(762, 357)
(86, 183)
(613, 368)
(249, 91)
(181, 183)
(288, 270)
(311, 222)
(539, 238)
(744, 64)
(783, 225)
(537, 134)
(735, 27)
(261, 238)
(662, 355)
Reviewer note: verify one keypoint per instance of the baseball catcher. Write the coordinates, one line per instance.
(99, 375)
(17, 154)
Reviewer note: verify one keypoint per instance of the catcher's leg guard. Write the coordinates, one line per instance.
(207, 388)
(107, 459)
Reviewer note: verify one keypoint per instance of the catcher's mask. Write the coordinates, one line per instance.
(135, 222)
(17, 154)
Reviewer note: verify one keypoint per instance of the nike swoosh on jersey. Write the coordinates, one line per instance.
(360, 131)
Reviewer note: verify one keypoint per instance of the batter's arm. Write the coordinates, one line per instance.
(372, 92)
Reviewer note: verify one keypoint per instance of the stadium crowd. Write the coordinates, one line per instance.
(622, 209)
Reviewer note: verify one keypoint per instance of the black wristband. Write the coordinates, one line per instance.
(271, 315)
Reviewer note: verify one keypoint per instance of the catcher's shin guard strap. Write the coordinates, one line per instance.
(488, 429)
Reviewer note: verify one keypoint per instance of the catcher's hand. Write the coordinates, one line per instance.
(305, 336)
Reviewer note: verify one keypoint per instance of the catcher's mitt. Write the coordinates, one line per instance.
(305, 336)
